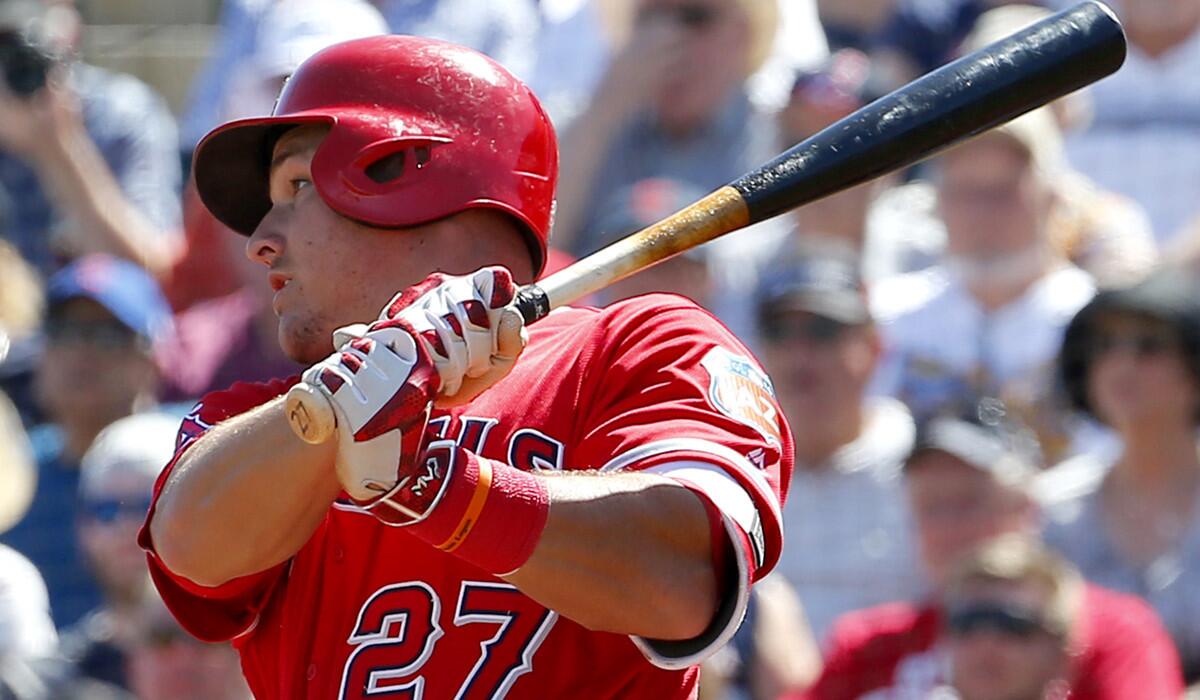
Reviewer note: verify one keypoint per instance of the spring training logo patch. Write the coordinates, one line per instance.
(742, 391)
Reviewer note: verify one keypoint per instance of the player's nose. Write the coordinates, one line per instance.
(265, 245)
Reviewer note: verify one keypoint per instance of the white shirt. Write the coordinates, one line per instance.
(943, 349)
(848, 535)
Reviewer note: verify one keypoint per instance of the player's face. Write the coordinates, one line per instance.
(992, 199)
(1138, 376)
(326, 270)
(1006, 660)
(957, 507)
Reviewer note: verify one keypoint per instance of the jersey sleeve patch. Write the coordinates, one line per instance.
(740, 390)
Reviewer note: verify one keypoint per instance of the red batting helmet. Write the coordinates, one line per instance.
(419, 129)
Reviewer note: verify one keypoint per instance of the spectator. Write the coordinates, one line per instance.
(1001, 297)
(893, 226)
(87, 157)
(1105, 234)
(167, 662)
(21, 302)
(1144, 138)
(116, 480)
(1131, 359)
(1010, 610)
(848, 531)
(104, 317)
(969, 482)
(673, 103)
(26, 632)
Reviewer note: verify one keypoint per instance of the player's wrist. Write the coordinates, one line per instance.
(483, 511)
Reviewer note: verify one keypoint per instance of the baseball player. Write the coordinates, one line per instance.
(573, 510)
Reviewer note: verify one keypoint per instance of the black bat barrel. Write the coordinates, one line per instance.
(984, 89)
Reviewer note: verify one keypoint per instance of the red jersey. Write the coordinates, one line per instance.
(1122, 651)
(652, 384)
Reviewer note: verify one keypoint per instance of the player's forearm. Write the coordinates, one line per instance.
(245, 497)
(625, 553)
(82, 185)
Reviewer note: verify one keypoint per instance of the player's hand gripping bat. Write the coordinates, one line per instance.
(967, 97)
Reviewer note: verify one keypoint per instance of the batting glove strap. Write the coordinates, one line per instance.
(482, 511)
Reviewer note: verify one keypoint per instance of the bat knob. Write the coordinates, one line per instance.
(309, 414)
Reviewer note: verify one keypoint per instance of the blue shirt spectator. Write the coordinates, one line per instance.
(104, 318)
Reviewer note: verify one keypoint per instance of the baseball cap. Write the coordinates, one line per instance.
(825, 281)
(121, 287)
(984, 437)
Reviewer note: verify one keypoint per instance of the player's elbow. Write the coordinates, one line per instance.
(180, 551)
(185, 546)
(688, 616)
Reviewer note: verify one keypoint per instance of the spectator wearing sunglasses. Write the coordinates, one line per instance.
(116, 479)
(969, 480)
(104, 318)
(1131, 359)
(673, 102)
(1009, 615)
(849, 539)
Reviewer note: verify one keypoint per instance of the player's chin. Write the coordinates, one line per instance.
(303, 342)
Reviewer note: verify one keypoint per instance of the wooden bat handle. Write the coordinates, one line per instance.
(310, 414)
(707, 219)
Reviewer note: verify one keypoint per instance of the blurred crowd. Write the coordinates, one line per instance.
(990, 362)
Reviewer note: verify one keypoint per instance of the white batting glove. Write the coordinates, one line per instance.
(381, 383)
(466, 324)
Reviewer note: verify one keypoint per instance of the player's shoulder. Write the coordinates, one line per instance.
(658, 321)
(661, 314)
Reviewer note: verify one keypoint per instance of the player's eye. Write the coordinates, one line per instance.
(299, 183)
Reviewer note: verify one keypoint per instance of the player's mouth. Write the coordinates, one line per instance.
(278, 281)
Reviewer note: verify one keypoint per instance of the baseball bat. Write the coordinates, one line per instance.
(977, 92)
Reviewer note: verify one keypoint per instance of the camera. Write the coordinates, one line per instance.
(23, 65)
